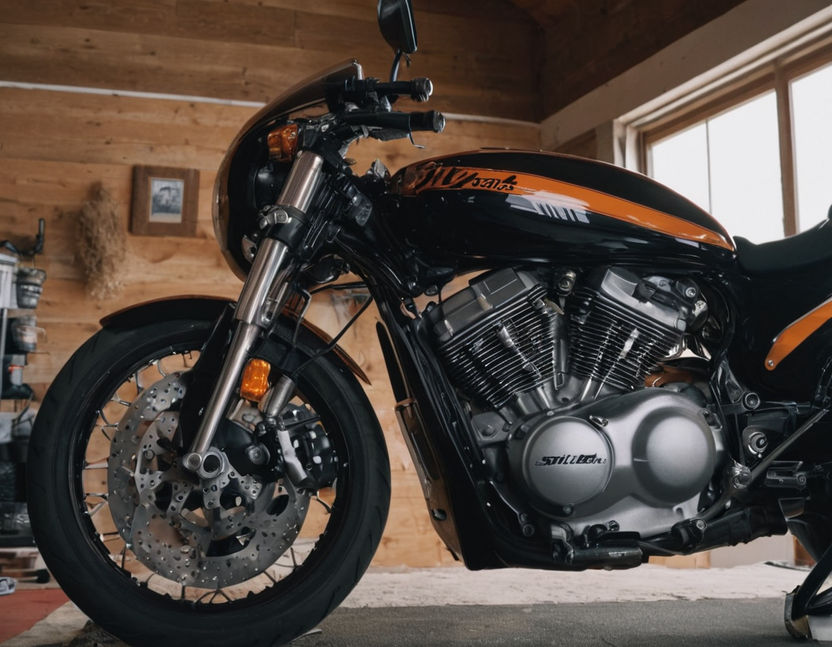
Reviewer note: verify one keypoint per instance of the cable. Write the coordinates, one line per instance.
(333, 343)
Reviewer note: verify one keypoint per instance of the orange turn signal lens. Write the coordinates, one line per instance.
(283, 142)
(255, 381)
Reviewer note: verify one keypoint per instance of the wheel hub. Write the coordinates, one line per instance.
(213, 530)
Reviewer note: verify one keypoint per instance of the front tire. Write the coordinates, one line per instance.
(78, 548)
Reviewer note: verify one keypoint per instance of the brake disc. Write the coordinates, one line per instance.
(206, 533)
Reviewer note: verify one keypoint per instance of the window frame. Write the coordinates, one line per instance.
(776, 74)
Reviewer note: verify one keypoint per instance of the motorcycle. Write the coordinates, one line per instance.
(619, 380)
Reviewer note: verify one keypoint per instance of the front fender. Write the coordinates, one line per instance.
(207, 307)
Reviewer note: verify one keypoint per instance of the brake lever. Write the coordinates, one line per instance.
(388, 134)
(410, 137)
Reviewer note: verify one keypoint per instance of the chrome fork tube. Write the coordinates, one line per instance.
(251, 313)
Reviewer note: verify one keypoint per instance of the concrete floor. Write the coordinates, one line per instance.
(451, 607)
(738, 623)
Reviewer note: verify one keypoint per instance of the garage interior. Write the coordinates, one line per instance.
(91, 90)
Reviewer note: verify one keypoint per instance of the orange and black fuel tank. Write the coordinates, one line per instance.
(490, 206)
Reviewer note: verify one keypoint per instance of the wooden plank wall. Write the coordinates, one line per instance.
(482, 58)
(55, 145)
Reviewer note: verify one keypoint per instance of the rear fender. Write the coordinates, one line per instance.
(209, 308)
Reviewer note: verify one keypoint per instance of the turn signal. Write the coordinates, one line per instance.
(283, 142)
(255, 379)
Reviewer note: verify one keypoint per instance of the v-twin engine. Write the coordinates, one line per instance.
(554, 381)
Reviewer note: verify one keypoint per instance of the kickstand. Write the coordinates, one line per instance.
(808, 614)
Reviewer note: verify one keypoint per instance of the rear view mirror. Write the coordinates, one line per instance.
(395, 20)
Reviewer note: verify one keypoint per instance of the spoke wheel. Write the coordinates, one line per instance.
(214, 558)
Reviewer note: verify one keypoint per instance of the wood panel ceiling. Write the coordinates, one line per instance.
(544, 12)
(588, 42)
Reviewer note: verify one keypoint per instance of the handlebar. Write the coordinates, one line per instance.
(418, 89)
(359, 90)
(405, 122)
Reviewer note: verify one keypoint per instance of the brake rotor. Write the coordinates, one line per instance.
(203, 532)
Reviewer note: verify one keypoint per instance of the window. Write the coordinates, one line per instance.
(812, 125)
(755, 155)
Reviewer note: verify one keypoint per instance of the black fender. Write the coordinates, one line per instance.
(207, 308)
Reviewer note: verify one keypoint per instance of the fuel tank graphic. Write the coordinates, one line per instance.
(548, 207)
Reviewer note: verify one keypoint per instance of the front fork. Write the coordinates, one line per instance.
(263, 295)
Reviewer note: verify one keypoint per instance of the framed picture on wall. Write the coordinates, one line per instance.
(164, 201)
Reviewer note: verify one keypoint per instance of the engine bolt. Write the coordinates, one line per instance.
(148, 454)
(566, 282)
(690, 292)
(751, 400)
(256, 455)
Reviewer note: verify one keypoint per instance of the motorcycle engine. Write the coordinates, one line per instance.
(556, 388)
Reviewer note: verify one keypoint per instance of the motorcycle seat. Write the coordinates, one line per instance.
(812, 246)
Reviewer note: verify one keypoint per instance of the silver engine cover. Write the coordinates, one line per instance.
(639, 460)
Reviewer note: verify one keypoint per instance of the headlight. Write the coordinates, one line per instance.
(248, 180)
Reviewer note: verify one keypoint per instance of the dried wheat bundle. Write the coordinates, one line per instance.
(101, 244)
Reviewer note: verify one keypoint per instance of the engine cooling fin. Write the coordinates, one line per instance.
(614, 345)
(498, 337)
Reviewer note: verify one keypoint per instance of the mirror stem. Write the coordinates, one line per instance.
(394, 71)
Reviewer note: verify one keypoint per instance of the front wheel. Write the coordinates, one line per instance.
(158, 556)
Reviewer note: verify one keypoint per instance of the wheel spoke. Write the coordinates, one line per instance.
(326, 506)
(96, 508)
(157, 364)
(100, 413)
(213, 595)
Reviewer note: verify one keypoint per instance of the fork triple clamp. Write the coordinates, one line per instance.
(808, 614)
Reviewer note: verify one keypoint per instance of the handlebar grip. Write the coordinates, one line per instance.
(405, 122)
(418, 89)
(421, 89)
(433, 120)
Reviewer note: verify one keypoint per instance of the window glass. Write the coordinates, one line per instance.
(729, 165)
(681, 162)
(812, 126)
(746, 192)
